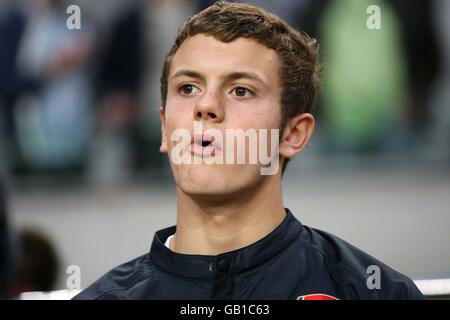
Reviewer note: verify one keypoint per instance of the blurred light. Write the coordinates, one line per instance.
(434, 287)
(51, 295)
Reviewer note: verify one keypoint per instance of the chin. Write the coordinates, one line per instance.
(216, 180)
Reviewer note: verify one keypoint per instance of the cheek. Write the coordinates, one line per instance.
(263, 113)
(177, 105)
(273, 115)
(177, 119)
(178, 113)
(255, 119)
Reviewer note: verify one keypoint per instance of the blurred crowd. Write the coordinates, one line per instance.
(85, 102)
(28, 259)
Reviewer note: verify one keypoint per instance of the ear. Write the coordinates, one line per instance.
(162, 116)
(296, 134)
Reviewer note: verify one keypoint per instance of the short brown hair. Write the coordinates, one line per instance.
(298, 53)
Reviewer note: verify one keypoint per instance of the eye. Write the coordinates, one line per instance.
(187, 89)
(242, 92)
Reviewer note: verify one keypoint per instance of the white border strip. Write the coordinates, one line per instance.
(434, 287)
(50, 295)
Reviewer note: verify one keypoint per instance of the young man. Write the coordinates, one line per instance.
(237, 67)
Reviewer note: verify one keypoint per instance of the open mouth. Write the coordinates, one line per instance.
(206, 143)
(203, 145)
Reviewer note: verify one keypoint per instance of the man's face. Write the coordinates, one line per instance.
(220, 86)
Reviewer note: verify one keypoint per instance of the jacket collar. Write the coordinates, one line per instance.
(233, 262)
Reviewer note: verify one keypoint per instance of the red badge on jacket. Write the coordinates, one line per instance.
(317, 296)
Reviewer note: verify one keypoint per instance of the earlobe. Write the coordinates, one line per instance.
(296, 135)
(162, 116)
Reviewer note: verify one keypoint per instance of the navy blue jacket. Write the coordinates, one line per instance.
(292, 262)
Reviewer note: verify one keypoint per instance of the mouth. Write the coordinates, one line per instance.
(203, 145)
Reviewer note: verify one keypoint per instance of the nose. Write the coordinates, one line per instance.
(209, 107)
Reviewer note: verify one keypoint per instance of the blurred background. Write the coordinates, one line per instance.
(82, 181)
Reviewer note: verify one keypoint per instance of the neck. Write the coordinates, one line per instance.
(214, 227)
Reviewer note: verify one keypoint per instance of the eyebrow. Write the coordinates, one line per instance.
(227, 77)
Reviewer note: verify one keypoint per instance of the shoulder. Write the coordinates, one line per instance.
(354, 273)
(116, 283)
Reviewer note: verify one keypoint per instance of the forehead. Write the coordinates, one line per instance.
(207, 54)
